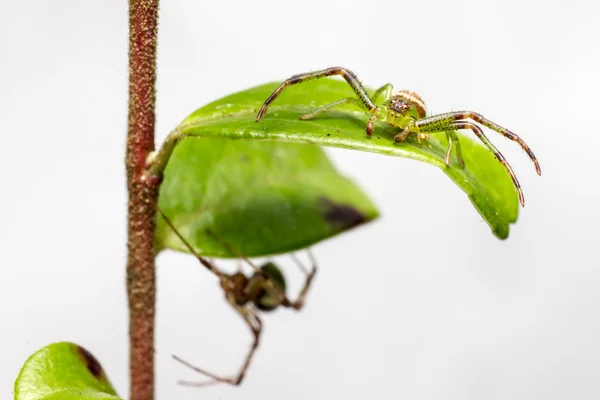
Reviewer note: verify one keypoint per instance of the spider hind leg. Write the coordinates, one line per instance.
(255, 324)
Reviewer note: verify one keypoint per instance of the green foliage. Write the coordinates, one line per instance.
(484, 179)
(261, 197)
(63, 371)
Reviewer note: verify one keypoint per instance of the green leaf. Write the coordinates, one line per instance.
(63, 371)
(260, 197)
(484, 179)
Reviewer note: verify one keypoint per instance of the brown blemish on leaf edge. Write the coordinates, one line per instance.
(341, 216)
(91, 363)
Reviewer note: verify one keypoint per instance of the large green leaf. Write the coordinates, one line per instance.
(261, 197)
(484, 179)
(63, 371)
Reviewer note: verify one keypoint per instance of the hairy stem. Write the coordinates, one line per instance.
(141, 278)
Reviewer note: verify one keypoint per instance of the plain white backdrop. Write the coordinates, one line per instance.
(425, 303)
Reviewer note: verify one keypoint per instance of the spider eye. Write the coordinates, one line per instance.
(400, 105)
(416, 106)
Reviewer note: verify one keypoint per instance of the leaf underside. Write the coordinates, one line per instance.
(484, 179)
(63, 371)
(260, 197)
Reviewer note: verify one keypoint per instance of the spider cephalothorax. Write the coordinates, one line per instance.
(406, 110)
(406, 101)
(402, 109)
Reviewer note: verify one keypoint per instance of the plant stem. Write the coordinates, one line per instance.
(141, 278)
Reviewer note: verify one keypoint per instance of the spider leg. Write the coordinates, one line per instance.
(246, 313)
(387, 93)
(401, 137)
(386, 90)
(255, 325)
(443, 120)
(477, 130)
(209, 265)
(453, 142)
(299, 303)
(331, 105)
(371, 123)
(363, 96)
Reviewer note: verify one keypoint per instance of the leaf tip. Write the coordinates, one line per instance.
(501, 232)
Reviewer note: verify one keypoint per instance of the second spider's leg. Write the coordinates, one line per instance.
(207, 263)
(477, 130)
(386, 90)
(299, 303)
(438, 123)
(361, 93)
(255, 325)
(453, 142)
(331, 105)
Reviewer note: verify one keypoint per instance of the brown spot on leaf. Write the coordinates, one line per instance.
(91, 363)
(341, 216)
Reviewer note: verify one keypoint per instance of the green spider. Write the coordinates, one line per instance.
(406, 110)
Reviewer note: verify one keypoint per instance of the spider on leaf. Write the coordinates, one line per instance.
(406, 110)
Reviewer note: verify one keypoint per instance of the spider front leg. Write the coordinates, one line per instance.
(255, 324)
(479, 133)
(348, 75)
(363, 100)
(438, 123)
(386, 90)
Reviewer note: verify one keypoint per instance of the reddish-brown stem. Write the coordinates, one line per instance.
(141, 278)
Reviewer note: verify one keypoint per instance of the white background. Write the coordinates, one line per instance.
(425, 303)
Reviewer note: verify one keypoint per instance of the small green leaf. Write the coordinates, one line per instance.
(484, 179)
(261, 197)
(63, 371)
